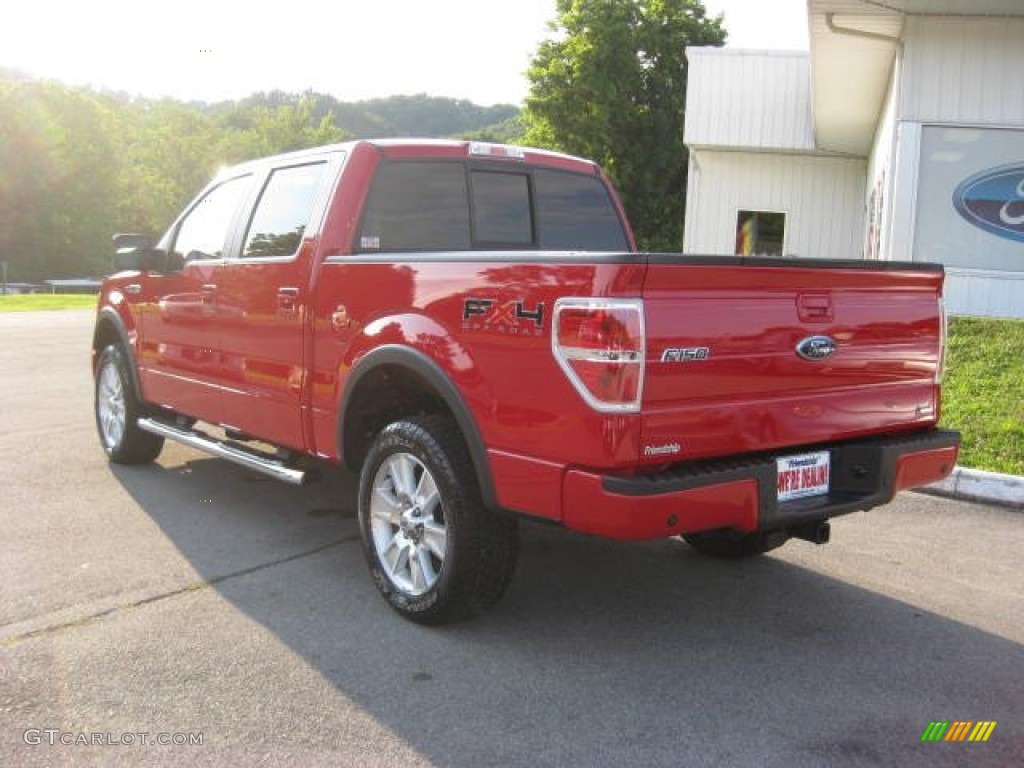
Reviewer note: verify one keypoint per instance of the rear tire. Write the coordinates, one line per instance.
(733, 545)
(117, 408)
(435, 552)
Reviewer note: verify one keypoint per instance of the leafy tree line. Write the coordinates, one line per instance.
(77, 165)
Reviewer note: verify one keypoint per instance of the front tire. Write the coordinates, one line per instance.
(435, 552)
(116, 405)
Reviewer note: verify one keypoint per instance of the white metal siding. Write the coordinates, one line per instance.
(880, 177)
(963, 70)
(748, 99)
(823, 198)
(986, 294)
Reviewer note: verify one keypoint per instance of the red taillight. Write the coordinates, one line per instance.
(599, 343)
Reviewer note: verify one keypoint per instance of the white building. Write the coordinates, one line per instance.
(899, 136)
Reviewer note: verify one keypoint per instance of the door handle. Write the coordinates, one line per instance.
(288, 298)
(208, 297)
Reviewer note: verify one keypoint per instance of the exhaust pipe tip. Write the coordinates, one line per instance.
(816, 533)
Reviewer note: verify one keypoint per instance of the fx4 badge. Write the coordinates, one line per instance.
(512, 317)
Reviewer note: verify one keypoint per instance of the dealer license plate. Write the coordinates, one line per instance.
(803, 475)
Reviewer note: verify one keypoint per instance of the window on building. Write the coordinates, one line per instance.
(283, 211)
(760, 233)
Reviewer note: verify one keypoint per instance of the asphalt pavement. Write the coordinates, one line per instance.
(193, 600)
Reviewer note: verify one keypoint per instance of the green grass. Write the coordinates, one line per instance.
(32, 301)
(983, 393)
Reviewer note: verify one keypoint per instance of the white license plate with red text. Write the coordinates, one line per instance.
(802, 476)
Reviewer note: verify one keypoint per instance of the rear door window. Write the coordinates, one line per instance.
(283, 211)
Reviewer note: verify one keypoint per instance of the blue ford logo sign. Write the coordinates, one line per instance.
(816, 347)
(993, 200)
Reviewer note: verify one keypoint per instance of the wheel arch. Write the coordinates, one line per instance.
(394, 381)
(111, 329)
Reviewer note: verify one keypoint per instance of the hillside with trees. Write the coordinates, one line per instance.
(77, 165)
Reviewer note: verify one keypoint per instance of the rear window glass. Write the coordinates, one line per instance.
(575, 213)
(423, 205)
(501, 208)
(417, 206)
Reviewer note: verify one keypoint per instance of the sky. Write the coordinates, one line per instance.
(211, 50)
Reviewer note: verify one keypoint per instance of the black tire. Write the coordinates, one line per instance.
(733, 545)
(435, 552)
(116, 407)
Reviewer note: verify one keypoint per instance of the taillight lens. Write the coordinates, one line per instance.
(599, 343)
(940, 370)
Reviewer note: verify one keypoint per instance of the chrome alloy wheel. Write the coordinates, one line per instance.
(110, 406)
(410, 535)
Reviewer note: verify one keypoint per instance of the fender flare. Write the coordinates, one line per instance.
(432, 373)
(109, 316)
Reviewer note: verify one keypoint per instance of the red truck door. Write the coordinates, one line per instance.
(179, 358)
(263, 300)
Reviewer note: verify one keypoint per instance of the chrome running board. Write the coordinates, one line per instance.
(226, 449)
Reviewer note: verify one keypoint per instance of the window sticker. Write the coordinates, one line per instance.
(370, 241)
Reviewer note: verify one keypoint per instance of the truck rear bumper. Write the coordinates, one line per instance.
(743, 494)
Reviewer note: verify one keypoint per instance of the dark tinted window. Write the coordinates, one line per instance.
(204, 230)
(575, 213)
(760, 233)
(283, 211)
(417, 206)
(501, 208)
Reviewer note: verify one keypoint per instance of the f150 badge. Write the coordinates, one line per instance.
(685, 355)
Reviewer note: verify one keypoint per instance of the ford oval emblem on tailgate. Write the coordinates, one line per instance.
(993, 200)
(816, 347)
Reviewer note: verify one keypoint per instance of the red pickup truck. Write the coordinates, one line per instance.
(469, 327)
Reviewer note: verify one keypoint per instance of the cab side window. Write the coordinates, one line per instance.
(283, 211)
(203, 233)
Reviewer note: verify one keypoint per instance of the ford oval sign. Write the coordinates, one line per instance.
(816, 347)
(993, 200)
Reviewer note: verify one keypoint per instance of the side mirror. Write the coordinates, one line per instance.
(134, 252)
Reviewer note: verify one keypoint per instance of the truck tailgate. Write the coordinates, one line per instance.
(747, 355)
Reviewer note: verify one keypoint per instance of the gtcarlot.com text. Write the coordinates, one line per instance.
(55, 737)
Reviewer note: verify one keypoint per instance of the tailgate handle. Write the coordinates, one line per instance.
(814, 307)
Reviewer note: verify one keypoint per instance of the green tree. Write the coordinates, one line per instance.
(57, 180)
(610, 84)
(258, 131)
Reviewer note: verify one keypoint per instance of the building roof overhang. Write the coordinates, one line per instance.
(853, 47)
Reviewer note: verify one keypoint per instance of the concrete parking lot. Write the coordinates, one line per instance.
(195, 598)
